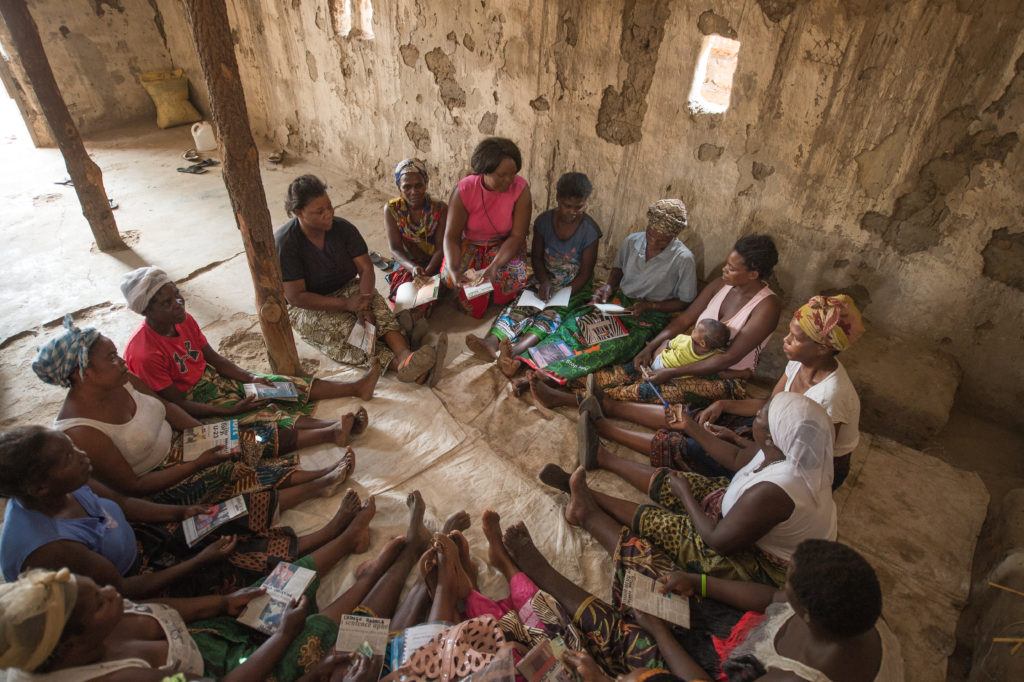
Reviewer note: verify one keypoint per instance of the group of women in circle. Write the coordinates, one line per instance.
(740, 514)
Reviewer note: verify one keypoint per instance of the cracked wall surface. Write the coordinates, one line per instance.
(878, 142)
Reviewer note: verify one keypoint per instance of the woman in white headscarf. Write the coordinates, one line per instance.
(744, 529)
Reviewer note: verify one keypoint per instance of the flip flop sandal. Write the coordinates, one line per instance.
(405, 321)
(379, 261)
(419, 332)
(208, 162)
(190, 155)
(593, 389)
(113, 204)
(590, 406)
(67, 182)
(194, 169)
(362, 420)
(416, 365)
(587, 442)
(276, 156)
(440, 350)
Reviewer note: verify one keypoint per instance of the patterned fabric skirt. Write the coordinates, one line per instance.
(589, 359)
(225, 643)
(514, 322)
(260, 548)
(509, 280)
(328, 331)
(667, 526)
(216, 389)
(624, 382)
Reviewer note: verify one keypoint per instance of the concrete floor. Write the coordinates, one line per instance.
(183, 224)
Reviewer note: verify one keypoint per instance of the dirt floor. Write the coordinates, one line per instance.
(183, 224)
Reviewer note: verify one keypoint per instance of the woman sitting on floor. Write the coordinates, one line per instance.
(488, 218)
(654, 275)
(57, 516)
(564, 252)
(746, 528)
(130, 433)
(415, 222)
(172, 356)
(59, 622)
(329, 283)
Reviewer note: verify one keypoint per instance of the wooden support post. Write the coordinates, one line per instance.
(211, 32)
(84, 172)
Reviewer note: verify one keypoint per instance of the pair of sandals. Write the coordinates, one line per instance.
(587, 439)
(196, 168)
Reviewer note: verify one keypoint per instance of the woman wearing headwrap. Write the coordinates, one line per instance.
(654, 275)
(744, 529)
(819, 330)
(170, 353)
(564, 252)
(415, 222)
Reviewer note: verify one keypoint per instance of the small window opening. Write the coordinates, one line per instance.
(712, 79)
(352, 18)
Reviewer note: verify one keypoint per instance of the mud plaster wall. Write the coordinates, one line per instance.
(878, 143)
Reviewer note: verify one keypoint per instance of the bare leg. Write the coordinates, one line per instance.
(588, 509)
(414, 609)
(367, 575)
(651, 416)
(324, 486)
(350, 505)
(451, 586)
(497, 554)
(634, 440)
(353, 540)
(339, 433)
(399, 346)
(550, 396)
(526, 555)
(325, 389)
(637, 474)
(528, 341)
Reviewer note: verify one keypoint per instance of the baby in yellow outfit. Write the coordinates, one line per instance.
(707, 338)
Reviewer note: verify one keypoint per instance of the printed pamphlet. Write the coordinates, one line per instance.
(354, 631)
(418, 292)
(363, 336)
(640, 592)
(530, 299)
(596, 328)
(198, 527)
(542, 665)
(547, 353)
(285, 583)
(199, 439)
(281, 390)
(478, 290)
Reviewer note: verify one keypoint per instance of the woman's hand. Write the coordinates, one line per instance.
(294, 618)
(191, 510)
(253, 379)
(602, 293)
(544, 289)
(236, 601)
(489, 274)
(218, 550)
(451, 276)
(659, 376)
(677, 419)
(214, 456)
(641, 307)
(645, 357)
(728, 435)
(710, 414)
(249, 402)
(584, 665)
(648, 622)
(678, 582)
(680, 485)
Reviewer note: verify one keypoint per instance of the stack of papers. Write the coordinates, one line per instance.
(199, 439)
(281, 390)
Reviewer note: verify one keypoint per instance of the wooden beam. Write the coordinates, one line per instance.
(211, 33)
(84, 172)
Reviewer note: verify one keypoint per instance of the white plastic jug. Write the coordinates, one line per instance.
(202, 133)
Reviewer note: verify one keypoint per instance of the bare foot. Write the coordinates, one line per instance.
(555, 476)
(450, 573)
(365, 386)
(497, 555)
(549, 396)
(339, 474)
(380, 563)
(508, 364)
(418, 536)
(428, 569)
(524, 553)
(347, 510)
(581, 502)
(520, 385)
(343, 429)
(361, 525)
(537, 390)
(481, 347)
(360, 421)
(460, 521)
(462, 544)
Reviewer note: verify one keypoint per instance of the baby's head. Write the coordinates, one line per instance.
(709, 336)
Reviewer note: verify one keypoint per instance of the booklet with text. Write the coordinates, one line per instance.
(364, 337)
(418, 635)
(199, 439)
(547, 353)
(285, 583)
(595, 328)
(418, 292)
(641, 593)
(559, 299)
(198, 527)
(354, 631)
(281, 390)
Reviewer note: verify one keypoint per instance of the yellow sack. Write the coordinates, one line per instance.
(169, 90)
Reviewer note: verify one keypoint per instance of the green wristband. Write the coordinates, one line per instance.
(703, 584)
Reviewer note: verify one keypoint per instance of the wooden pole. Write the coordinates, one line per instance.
(84, 172)
(211, 32)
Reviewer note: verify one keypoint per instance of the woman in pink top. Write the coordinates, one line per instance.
(488, 218)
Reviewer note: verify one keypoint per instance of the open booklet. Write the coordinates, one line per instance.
(543, 663)
(359, 633)
(281, 390)
(198, 527)
(199, 439)
(285, 583)
(416, 293)
(530, 299)
(364, 336)
(640, 592)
